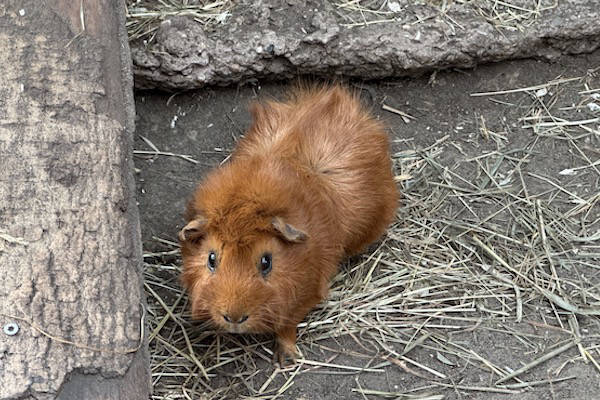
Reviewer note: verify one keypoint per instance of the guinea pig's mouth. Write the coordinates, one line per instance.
(230, 327)
(236, 328)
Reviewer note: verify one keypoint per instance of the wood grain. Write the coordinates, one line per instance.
(70, 256)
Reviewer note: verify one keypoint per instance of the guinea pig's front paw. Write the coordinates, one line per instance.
(284, 356)
(285, 347)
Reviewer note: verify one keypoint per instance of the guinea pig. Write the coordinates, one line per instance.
(310, 183)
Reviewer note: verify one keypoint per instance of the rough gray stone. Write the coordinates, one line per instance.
(281, 39)
(70, 254)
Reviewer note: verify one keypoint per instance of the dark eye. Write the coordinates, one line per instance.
(211, 263)
(265, 264)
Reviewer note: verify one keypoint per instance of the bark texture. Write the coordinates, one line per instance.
(281, 39)
(70, 254)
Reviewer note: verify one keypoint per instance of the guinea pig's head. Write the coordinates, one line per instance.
(238, 276)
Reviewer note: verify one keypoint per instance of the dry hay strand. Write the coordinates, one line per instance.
(509, 15)
(480, 244)
(145, 16)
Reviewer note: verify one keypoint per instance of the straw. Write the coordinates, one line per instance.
(481, 243)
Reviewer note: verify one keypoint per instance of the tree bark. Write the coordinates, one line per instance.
(70, 253)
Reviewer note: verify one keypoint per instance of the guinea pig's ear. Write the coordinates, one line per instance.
(193, 230)
(288, 232)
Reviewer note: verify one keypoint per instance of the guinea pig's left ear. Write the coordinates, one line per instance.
(288, 232)
(193, 230)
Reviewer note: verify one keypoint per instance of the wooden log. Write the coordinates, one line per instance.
(70, 253)
(282, 39)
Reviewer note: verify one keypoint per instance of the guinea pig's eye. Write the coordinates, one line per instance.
(211, 263)
(265, 264)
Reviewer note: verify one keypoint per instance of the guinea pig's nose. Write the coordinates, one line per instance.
(234, 320)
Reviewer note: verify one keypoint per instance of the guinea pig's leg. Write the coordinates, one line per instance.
(285, 345)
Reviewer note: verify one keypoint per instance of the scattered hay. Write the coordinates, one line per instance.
(510, 15)
(363, 13)
(144, 16)
(480, 244)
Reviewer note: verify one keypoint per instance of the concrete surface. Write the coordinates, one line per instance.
(70, 256)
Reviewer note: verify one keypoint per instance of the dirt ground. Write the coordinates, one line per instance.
(204, 125)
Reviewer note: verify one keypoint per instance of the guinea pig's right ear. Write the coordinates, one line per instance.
(194, 230)
(288, 232)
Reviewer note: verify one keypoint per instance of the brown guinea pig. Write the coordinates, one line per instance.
(309, 184)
